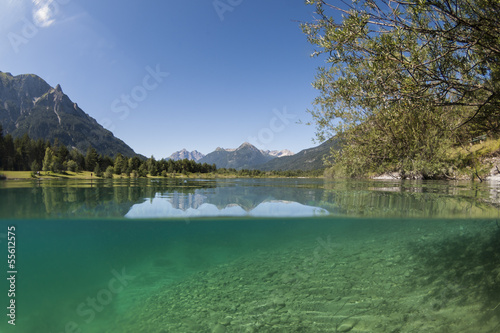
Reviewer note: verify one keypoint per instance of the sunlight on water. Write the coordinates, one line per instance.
(430, 261)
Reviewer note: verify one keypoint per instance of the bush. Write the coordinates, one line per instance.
(56, 167)
(109, 172)
(72, 166)
(35, 167)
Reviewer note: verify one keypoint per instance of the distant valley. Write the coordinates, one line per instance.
(29, 105)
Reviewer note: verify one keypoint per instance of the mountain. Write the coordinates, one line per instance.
(307, 159)
(248, 156)
(245, 156)
(183, 154)
(279, 153)
(30, 105)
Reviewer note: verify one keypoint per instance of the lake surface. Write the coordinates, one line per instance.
(251, 255)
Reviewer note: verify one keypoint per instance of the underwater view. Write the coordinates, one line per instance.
(249, 255)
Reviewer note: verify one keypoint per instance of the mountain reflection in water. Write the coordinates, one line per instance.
(173, 207)
(136, 198)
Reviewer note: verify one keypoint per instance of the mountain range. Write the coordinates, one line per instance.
(184, 154)
(307, 159)
(279, 153)
(29, 105)
(247, 156)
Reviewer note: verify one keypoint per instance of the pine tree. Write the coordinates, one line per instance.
(48, 159)
(35, 167)
(120, 164)
(91, 159)
(97, 170)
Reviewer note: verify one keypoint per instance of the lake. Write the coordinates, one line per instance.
(250, 255)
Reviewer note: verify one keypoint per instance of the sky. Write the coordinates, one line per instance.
(168, 75)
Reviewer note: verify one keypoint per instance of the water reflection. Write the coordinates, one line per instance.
(193, 206)
(411, 199)
(145, 198)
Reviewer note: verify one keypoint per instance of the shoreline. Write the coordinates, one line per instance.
(86, 175)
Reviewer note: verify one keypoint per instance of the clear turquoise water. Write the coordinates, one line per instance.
(281, 255)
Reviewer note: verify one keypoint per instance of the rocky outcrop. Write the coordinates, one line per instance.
(29, 105)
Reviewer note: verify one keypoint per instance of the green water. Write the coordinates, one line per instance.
(281, 255)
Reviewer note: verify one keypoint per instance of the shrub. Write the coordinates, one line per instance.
(109, 172)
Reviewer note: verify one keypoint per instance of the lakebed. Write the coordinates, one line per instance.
(247, 255)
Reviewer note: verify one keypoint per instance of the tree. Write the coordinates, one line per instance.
(443, 51)
(151, 165)
(72, 166)
(78, 157)
(105, 161)
(398, 68)
(170, 166)
(97, 170)
(109, 172)
(143, 170)
(22, 153)
(35, 167)
(48, 159)
(56, 165)
(91, 158)
(62, 153)
(134, 163)
(2, 148)
(9, 150)
(120, 164)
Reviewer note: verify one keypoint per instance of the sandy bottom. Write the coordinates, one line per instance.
(355, 276)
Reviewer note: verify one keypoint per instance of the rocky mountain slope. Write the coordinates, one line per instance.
(30, 105)
(248, 156)
(184, 154)
(245, 156)
(307, 159)
(279, 153)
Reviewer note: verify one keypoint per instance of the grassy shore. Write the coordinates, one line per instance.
(26, 175)
(15, 175)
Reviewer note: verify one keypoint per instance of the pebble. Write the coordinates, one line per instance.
(226, 321)
(345, 327)
(219, 329)
(274, 321)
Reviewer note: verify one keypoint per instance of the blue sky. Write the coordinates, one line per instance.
(167, 75)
